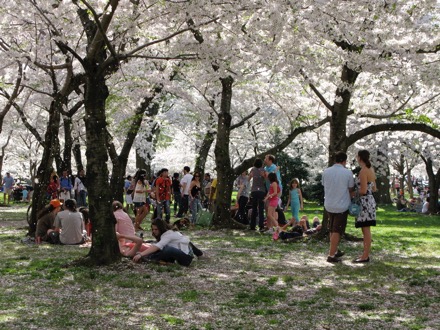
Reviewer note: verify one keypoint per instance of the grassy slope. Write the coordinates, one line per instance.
(248, 282)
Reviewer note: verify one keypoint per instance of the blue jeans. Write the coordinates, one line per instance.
(166, 206)
(81, 198)
(171, 254)
(196, 206)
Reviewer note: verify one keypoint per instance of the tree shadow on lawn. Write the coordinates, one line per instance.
(247, 282)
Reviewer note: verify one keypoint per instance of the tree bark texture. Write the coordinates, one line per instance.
(105, 249)
(225, 173)
(44, 170)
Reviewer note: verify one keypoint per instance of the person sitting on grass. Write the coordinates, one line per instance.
(171, 246)
(402, 204)
(46, 219)
(70, 225)
(425, 208)
(129, 245)
(124, 224)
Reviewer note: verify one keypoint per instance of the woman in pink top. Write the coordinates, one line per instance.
(124, 224)
(272, 198)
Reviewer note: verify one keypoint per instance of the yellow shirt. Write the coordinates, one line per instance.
(214, 185)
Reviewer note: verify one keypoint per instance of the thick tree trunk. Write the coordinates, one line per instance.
(66, 163)
(225, 173)
(105, 249)
(338, 123)
(44, 170)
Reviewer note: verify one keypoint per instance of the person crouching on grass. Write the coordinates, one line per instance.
(171, 246)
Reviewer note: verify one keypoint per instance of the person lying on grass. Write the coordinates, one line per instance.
(171, 246)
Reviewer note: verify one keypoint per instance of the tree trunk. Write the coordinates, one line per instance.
(142, 164)
(66, 163)
(105, 249)
(382, 169)
(44, 171)
(117, 179)
(225, 173)
(338, 124)
(203, 153)
(434, 185)
(76, 149)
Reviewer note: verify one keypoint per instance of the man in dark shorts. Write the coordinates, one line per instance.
(338, 185)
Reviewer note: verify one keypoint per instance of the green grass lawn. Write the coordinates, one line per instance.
(246, 282)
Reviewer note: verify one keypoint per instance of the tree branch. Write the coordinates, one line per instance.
(103, 25)
(316, 91)
(283, 144)
(353, 138)
(243, 120)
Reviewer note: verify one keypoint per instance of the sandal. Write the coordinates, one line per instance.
(359, 260)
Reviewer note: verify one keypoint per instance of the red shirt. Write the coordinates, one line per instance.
(164, 185)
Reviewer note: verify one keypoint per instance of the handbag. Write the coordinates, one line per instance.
(204, 218)
(354, 209)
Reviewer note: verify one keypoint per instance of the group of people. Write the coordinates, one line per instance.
(62, 223)
(339, 188)
(187, 193)
(259, 197)
(65, 187)
(170, 245)
(414, 205)
(261, 188)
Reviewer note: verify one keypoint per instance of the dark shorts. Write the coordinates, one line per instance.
(138, 204)
(337, 222)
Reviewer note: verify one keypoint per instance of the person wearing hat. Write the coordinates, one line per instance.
(45, 222)
(70, 224)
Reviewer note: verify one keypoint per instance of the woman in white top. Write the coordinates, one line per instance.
(171, 246)
(140, 198)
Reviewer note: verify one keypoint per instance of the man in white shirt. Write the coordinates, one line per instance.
(338, 185)
(185, 183)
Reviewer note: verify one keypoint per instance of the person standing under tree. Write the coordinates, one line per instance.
(185, 183)
(295, 200)
(80, 187)
(338, 185)
(163, 194)
(65, 186)
(366, 184)
(140, 198)
(177, 194)
(243, 197)
(270, 167)
(8, 184)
